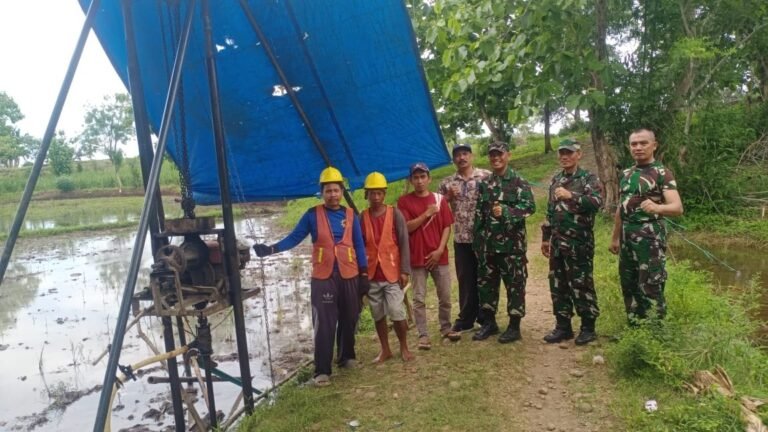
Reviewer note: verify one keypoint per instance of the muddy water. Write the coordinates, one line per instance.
(747, 264)
(58, 306)
(75, 218)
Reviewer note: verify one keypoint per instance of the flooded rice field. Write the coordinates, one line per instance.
(58, 308)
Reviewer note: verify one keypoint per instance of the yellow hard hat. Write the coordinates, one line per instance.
(375, 180)
(331, 175)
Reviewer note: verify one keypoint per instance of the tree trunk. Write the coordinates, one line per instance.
(606, 161)
(604, 154)
(547, 136)
(762, 75)
(576, 115)
(496, 134)
(119, 182)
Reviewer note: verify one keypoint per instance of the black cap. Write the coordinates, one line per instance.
(462, 146)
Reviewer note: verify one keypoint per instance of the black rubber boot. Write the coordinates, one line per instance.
(587, 333)
(513, 331)
(562, 331)
(489, 326)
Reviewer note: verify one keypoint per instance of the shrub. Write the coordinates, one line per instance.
(65, 184)
(574, 127)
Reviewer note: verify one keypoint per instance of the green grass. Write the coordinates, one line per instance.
(93, 175)
(434, 392)
(748, 228)
(703, 329)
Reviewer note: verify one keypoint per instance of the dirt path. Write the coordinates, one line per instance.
(566, 386)
(563, 389)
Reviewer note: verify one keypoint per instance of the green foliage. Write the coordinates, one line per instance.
(706, 161)
(107, 127)
(11, 148)
(468, 58)
(65, 184)
(135, 179)
(495, 65)
(60, 156)
(574, 127)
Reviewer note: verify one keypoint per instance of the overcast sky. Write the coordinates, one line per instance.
(37, 38)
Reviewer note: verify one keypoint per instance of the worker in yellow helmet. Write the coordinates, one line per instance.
(339, 272)
(389, 265)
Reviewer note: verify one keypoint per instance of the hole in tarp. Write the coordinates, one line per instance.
(280, 90)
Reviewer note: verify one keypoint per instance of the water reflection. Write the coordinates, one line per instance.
(747, 266)
(58, 308)
(19, 290)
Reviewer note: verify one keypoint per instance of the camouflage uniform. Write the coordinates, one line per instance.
(643, 239)
(500, 243)
(569, 229)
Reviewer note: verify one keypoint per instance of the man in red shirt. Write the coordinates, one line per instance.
(429, 221)
(389, 264)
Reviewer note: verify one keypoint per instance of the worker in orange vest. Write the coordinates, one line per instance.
(339, 272)
(389, 265)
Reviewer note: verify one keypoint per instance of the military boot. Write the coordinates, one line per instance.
(562, 331)
(489, 326)
(587, 333)
(513, 331)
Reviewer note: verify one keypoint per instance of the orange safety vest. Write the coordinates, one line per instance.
(386, 253)
(325, 251)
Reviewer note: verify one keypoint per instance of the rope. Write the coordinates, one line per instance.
(238, 188)
(705, 252)
(266, 327)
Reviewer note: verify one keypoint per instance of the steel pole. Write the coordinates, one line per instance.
(146, 154)
(230, 246)
(149, 197)
(26, 197)
(141, 119)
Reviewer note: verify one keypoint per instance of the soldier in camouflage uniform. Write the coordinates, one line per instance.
(568, 241)
(648, 192)
(504, 201)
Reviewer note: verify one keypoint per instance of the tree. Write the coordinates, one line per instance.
(465, 50)
(107, 127)
(11, 149)
(60, 155)
(30, 145)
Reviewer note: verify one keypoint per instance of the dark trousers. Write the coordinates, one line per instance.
(335, 304)
(466, 274)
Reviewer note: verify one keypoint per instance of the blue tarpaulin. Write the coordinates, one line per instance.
(354, 65)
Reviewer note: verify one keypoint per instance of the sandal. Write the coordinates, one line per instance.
(322, 380)
(452, 336)
(424, 343)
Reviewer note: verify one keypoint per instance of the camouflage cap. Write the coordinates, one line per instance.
(569, 144)
(498, 146)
